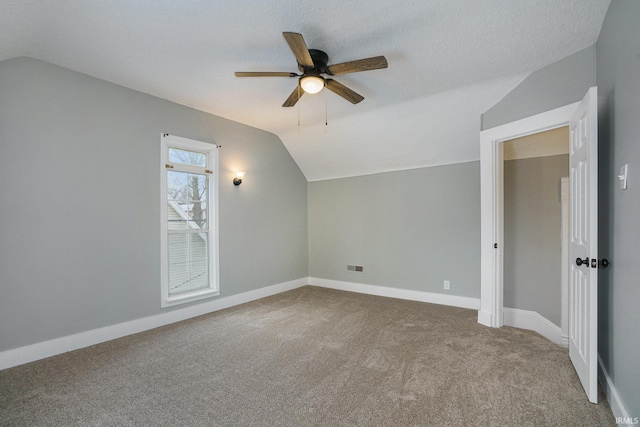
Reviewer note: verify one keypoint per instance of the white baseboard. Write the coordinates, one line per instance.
(383, 291)
(484, 318)
(531, 320)
(619, 412)
(30, 353)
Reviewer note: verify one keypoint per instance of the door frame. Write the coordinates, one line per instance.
(564, 263)
(492, 204)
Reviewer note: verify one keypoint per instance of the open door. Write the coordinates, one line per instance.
(583, 224)
(583, 247)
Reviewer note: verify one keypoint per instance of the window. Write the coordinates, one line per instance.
(189, 218)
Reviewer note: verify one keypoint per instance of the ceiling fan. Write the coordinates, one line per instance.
(312, 63)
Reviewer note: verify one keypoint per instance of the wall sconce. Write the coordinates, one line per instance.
(238, 179)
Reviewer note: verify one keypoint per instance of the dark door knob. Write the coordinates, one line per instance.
(603, 263)
(585, 261)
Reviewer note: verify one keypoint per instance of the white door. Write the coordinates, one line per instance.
(583, 285)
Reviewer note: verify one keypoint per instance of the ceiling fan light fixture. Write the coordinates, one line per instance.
(312, 84)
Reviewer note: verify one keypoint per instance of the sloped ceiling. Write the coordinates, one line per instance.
(449, 61)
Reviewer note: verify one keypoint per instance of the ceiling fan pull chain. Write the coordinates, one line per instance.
(326, 110)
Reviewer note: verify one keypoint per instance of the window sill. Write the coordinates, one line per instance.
(189, 297)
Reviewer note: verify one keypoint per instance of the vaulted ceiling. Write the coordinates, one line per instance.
(449, 61)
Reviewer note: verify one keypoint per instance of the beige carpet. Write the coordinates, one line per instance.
(311, 356)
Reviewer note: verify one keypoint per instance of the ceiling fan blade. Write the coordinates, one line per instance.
(294, 97)
(343, 91)
(264, 74)
(299, 48)
(374, 63)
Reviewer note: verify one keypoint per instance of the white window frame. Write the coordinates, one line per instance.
(213, 289)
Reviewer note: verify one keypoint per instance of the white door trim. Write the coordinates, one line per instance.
(564, 263)
(491, 204)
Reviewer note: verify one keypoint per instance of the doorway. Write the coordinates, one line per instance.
(492, 207)
(535, 292)
(582, 118)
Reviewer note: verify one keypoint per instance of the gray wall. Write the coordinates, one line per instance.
(532, 238)
(559, 84)
(80, 199)
(618, 78)
(409, 229)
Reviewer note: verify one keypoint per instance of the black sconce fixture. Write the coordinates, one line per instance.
(238, 179)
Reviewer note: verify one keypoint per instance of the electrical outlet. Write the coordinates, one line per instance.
(446, 284)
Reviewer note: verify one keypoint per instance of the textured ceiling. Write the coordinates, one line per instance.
(449, 61)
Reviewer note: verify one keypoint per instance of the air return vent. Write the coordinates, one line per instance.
(356, 268)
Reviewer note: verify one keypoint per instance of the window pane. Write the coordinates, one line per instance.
(178, 187)
(187, 200)
(187, 262)
(187, 157)
(174, 217)
(177, 198)
(197, 204)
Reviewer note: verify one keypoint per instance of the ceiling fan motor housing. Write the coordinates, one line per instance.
(320, 61)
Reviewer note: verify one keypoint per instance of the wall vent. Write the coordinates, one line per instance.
(356, 268)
